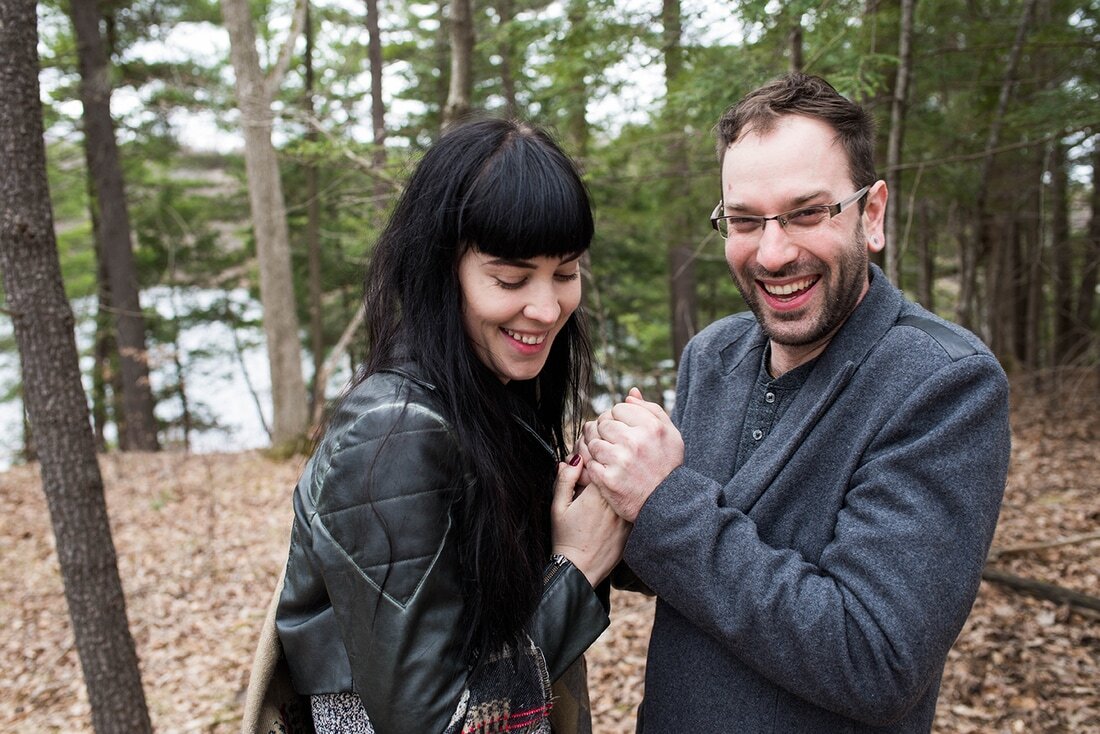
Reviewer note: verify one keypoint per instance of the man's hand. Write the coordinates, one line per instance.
(628, 451)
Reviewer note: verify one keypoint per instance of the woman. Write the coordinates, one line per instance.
(439, 577)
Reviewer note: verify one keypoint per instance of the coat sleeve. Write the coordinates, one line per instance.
(864, 628)
(379, 537)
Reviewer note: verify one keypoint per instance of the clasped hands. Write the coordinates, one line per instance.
(621, 457)
(628, 451)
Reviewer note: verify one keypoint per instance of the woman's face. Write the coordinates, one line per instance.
(513, 309)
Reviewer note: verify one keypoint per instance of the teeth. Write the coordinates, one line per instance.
(789, 288)
(525, 338)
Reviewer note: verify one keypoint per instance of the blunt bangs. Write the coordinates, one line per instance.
(527, 202)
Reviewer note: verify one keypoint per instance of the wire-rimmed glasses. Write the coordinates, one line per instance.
(803, 218)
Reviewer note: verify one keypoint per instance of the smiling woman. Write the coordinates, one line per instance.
(513, 309)
(440, 570)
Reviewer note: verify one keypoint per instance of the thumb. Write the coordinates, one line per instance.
(566, 481)
(635, 393)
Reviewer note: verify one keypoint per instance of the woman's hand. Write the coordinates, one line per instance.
(584, 528)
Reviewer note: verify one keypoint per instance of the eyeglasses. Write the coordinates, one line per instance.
(793, 221)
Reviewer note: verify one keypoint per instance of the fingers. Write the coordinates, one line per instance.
(566, 482)
(635, 410)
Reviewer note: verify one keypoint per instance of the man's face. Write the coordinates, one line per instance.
(802, 283)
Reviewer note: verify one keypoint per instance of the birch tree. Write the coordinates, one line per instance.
(255, 94)
(462, 62)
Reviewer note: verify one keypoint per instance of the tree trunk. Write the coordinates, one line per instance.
(441, 50)
(290, 409)
(1085, 321)
(998, 289)
(1061, 255)
(102, 351)
(138, 431)
(313, 226)
(30, 451)
(577, 129)
(507, 51)
(462, 62)
(926, 258)
(985, 228)
(1032, 274)
(794, 42)
(53, 395)
(681, 258)
(968, 277)
(894, 143)
(377, 103)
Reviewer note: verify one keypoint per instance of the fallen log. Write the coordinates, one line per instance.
(1042, 589)
(995, 553)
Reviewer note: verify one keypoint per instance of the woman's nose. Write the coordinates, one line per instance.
(543, 306)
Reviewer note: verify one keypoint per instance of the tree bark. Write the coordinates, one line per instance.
(462, 54)
(1085, 322)
(577, 129)
(926, 258)
(102, 353)
(985, 227)
(313, 224)
(507, 50)
(1030, 216)
(138, 431)
(794, 43)
(255, 92)
(895, 140)
(53, 395)
(683, 305)
(377, 103)
(1061, 255)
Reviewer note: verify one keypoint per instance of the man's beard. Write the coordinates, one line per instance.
(841, 296)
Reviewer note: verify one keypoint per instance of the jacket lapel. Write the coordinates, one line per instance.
(875, 315)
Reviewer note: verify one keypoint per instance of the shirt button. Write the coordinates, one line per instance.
(757, 434)
(769, 397)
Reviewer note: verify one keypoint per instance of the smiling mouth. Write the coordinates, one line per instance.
(788, 291)
(530, 339)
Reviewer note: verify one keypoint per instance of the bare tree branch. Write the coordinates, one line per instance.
(274, 78)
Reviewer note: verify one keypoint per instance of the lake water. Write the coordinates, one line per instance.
(215, 375)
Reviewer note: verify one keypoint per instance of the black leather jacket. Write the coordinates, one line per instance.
(372, 601)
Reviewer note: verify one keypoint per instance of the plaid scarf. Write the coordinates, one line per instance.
(508, 692)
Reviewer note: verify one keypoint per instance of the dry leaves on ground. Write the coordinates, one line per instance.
(200, 540)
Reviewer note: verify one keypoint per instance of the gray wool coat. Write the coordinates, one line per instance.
(819, 588)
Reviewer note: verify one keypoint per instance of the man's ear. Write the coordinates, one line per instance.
(874, 216)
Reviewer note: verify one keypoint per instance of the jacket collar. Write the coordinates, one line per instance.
(412, 370)
(855, 339)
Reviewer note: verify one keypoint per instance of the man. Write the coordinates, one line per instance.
(814, 516)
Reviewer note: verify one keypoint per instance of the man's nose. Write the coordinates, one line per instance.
(775, 248)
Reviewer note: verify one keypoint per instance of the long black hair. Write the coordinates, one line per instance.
(507, 190)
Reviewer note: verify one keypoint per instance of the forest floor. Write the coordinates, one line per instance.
(201, 538)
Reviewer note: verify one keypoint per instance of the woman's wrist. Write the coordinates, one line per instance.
(570, 555)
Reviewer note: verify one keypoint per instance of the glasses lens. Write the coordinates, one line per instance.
(808, 217)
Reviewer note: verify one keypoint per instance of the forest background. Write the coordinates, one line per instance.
(236, 161)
